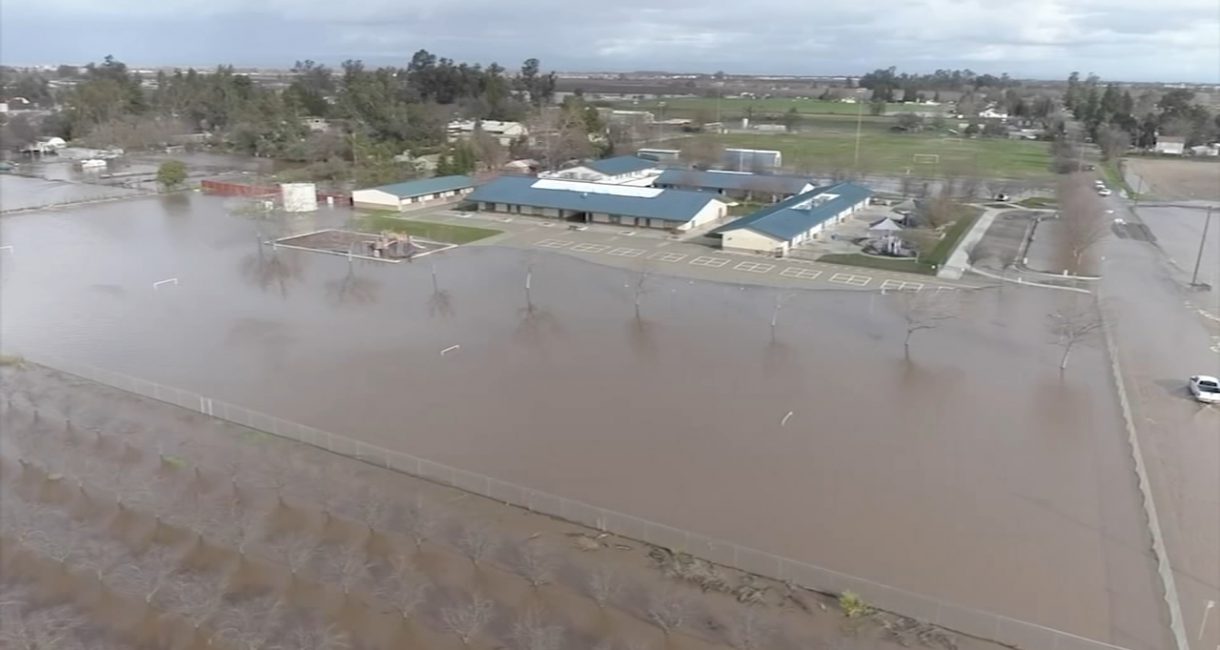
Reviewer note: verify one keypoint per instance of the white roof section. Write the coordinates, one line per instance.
(596, 188)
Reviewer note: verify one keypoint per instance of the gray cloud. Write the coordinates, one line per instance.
(1118, 39)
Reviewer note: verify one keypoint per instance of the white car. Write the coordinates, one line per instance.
(1105, 191)
(1205, 389)
(1099, 184)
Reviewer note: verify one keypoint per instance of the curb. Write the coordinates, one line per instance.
(1176, 624)
(1020, 282)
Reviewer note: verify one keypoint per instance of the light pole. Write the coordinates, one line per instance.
(859, 124)
(1203, 624)
(1202, 241)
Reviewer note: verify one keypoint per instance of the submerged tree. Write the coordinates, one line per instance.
(1075, 323)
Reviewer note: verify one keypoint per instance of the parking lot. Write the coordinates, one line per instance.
(662, 252)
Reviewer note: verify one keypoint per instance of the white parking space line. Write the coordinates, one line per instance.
(754, 267)
(804, 274)
(714, 262)
(899, 285)
(626, 252)
(552, 243)
(667, 257)
(589, 248)
(848, 278)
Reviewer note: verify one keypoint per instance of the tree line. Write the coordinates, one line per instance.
(377, 113)
(1116, 120)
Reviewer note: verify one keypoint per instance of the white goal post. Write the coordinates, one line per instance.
(925, 158)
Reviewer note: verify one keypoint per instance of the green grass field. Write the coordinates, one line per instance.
(736, 107)
(441, 232)
(887, 153)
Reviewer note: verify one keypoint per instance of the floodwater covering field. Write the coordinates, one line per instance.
(971, 472)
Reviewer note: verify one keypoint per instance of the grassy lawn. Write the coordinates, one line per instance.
(953, 234)
(441, 232)
(1038, 202)
(875, 262)
(883, 152)
(736, 107)
(1114, 178)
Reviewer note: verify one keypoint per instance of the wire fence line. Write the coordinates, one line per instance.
(986, 625)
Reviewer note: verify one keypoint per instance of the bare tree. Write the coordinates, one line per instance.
(532, 632)
(750, 630)
(1073, 324)
(488, 150)
(1113, 142)
(349, 568)
(537, 561)
(478, 541)
(151, 571)
(28, 628)
(703, 151)
(667, 610)
(640, 288)
(1082, 222)
(466, 619)
(406, 589)
(374, 508)
(317, 636)
(923, 310)
(196, 597)
(604, 585)
(420, 521)
(297, 551)
(253, 625)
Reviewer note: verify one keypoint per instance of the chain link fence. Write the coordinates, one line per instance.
(986, 625)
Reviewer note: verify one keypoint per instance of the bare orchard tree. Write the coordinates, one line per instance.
(24, 627)
(348, 568)
(296, 550)
(531, 631)
(374, 508)
(668, 610)
(465, 619)
(1075, 323)
(924, 310)
(1082, 222)
(196, 597)
(751, 630)
(420, 521)
(252, 625)
(604, 585)
(537, 562)
(477, 542)
(405, 588)
(315, 635)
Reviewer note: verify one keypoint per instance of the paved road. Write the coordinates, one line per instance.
(657, 252)
(1164, 335)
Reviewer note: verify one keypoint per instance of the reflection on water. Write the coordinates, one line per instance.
(952, 474)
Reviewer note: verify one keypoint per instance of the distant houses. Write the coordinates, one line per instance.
(1170, 145)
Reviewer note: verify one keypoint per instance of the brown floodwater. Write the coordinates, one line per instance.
(971, 472)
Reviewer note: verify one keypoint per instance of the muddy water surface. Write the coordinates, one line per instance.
(971, 472)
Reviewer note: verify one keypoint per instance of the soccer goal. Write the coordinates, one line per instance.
(925, 158)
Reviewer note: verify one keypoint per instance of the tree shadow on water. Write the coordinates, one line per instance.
(353, 288)
(270, 270)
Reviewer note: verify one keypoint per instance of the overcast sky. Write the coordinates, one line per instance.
(1167, 40)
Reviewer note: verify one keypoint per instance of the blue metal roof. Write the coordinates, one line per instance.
(693, 178)
(620, 165)
(668, 205)
(793, 216)
(423, 186)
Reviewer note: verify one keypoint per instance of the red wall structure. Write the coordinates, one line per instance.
(226, 188)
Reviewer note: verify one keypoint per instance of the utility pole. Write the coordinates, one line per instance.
(859, 123)
(1202, 241)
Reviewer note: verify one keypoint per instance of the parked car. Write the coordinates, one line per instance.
(1105, 191)
(1205, 389)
